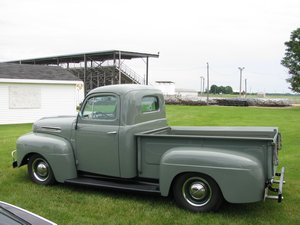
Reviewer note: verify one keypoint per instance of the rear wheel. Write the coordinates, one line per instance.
(40, 171)
(197, 192)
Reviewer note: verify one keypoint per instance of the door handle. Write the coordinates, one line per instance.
(112, 132)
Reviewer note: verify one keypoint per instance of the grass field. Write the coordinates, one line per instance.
(65, 204)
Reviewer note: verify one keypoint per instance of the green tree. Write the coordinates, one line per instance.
(291, 60)
(214, 89)
(228, 90)
(222, 90)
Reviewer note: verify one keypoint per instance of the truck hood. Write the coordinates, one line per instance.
(60, 126)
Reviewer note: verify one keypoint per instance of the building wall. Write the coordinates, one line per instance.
(166, 88)
(28, 102)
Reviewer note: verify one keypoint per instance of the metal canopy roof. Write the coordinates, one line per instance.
(95, 56)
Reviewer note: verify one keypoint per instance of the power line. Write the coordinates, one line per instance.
(220, 73)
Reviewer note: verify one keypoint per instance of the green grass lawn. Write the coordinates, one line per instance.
(65, 204)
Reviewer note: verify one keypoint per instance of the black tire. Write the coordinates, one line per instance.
(40, 170)
(197, 192)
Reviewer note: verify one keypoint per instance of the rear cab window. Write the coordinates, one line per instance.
(150, 104)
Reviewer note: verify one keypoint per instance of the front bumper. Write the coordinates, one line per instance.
(276, 192)
(14, 163)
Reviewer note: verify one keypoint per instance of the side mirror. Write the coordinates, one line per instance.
(78, 107)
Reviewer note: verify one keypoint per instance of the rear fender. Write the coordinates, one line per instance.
(240, 176)
(56, 150)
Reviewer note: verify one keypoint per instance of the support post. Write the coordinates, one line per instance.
(113, 71)
(147, 70)
(120, 74)
(84, 74)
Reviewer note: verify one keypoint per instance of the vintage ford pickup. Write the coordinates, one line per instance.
(120, 139)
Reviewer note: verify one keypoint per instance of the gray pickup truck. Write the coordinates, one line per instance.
(120, 139)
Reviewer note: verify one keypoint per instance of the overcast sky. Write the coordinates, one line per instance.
(188, 34)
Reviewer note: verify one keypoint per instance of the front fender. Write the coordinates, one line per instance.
(56, 150)
(239, 175)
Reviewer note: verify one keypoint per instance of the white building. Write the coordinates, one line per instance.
(186, 92)
(167, 87)
(29, 92)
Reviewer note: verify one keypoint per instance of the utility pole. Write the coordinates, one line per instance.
(207, 88)
(202, 81)
(200, 85)
(241, 74)
(245, 87)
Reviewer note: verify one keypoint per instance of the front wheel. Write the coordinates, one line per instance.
(197, 192)
(40, 171)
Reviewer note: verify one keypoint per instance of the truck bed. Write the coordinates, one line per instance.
(151, 145)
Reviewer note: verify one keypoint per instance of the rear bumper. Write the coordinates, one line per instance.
(276, 192)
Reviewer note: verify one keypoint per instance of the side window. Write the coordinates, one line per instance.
(150, 104)
(100, 108)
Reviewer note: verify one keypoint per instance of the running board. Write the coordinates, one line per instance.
(130, 186)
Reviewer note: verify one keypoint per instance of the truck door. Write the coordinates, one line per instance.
(97, 135)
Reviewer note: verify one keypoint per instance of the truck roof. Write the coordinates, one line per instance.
(122, 89)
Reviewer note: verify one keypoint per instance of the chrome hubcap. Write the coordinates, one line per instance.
(196, 191)
(40, 169)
